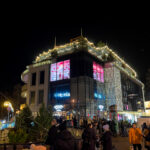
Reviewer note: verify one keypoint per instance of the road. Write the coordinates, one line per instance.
(122, 143)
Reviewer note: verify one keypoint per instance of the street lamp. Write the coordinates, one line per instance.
(9, 107)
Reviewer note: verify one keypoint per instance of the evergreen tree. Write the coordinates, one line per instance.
(42, 123)
(24, 119)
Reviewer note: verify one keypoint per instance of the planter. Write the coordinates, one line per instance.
(19, 147)
(1, 147)
(10, 147)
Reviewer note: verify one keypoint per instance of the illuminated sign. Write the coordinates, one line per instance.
(60, 70)
(98, 72)
(58, 107)
(62, 94)
(147, 104)
(101, 107)
(96, 95)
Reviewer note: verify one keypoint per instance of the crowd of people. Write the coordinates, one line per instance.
(96, 135)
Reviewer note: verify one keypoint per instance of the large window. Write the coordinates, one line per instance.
(41, 96)
(42, 73)
(32, 97)
(60, 70)
(33, 79)
(98, 72)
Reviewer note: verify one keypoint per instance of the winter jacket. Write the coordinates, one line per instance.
(135, 136)
(106, 140)
(89, 139)
(65, 141)
(52, 135)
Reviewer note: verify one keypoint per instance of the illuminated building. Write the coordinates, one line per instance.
(84, 79)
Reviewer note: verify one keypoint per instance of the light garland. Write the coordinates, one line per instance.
(93, 49)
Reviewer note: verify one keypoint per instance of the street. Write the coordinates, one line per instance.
(122, 143)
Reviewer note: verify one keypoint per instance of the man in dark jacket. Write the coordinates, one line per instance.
(89, 138)
(52, 134)
(65, 140)
(106, 138)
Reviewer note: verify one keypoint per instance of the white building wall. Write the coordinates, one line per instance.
(38, 86)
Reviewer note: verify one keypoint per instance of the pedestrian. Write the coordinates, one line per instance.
(147, 138)
(135, 137)
(89, 138)
(144, 126)
(75, 122)
(52, 134)
(106, 138)
(65, 140)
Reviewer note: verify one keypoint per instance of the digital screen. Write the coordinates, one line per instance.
(60, 70)
(98, 72)
(53, 72)
(66, 69)
(94, 71)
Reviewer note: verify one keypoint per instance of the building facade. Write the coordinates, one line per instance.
(81, 79)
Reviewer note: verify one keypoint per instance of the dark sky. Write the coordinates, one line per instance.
(23, 40)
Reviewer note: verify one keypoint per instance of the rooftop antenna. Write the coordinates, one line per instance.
(81, 32)
(55, 42)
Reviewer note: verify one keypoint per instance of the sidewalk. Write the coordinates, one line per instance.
(122, 143)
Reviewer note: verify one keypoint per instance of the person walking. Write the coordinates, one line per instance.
(106, 138)
(52, 134)
(89, 138)
(135, 137)
(147, 138)
(65, 140)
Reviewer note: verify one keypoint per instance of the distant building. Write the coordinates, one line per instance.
(80, 78)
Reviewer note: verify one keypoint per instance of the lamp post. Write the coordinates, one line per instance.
(9, 107)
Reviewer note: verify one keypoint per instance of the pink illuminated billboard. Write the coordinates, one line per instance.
(60, 70)
(94, 71)
(53, 72)
(66, 69)
(98, 72)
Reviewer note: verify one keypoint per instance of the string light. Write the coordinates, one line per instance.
(98, 51)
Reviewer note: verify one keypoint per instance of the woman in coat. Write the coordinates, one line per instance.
(106, 138)
(89, 138)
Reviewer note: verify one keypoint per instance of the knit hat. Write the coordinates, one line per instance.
(106, 127)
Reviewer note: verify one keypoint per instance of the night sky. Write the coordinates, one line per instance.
(23, 40)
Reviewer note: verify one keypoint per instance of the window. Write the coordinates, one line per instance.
(33, 79)
(41, 96)
(60, 70)
(32, 97)
(42, 73)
